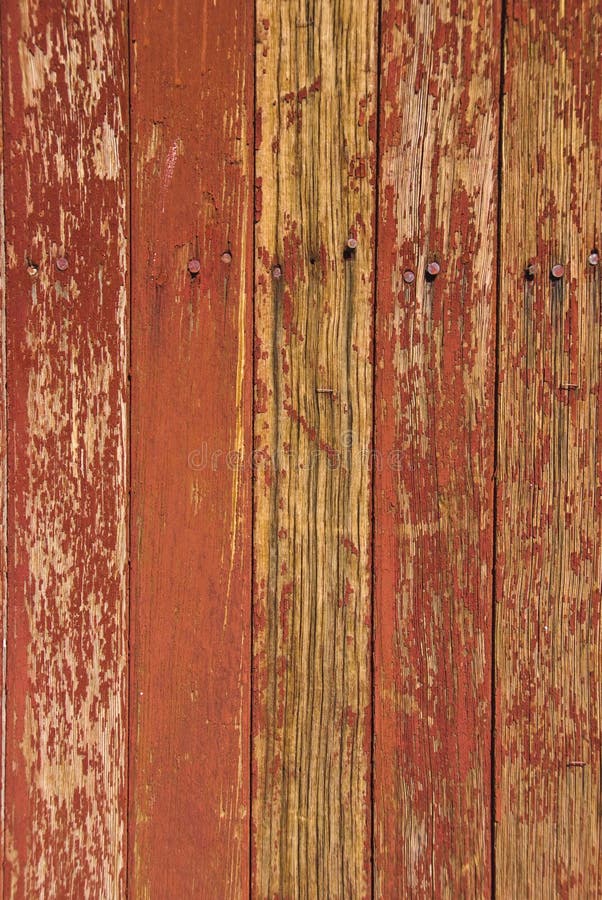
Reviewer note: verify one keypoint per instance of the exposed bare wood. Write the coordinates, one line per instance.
(549, 524)
(65, 125)
(435, 354)
(315, 169)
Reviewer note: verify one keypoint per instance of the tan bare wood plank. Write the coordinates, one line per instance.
(315, 169)
(549, 524)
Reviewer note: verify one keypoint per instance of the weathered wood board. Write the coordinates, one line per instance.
(65, 200)
(277, 609)
(315, 193)
(434, 447)
(3, 479)
(192, 199)
(549, 523)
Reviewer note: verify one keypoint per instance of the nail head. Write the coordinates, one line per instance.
(226, 257)
(352, 243)
(408, 276)
(62, 263)
(433, 268)
(194, 266)
(277, 272)
(593, 259)
(32, 270)
(557, 270)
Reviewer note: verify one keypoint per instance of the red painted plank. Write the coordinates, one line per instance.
(192, 101)
(65, 126)
(435, 357)
(549, 541)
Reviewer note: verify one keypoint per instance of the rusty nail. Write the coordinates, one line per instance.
(352, 243)
(408, 276)
(593, 259)
(194, 266)
(277, 272)
(530, 271)
(557, 271)
(32, 270)
(62, 263)
(226, 257)
(433, 268)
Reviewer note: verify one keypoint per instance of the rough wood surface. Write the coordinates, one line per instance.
(192, 145)
(315, 170)
(65, 128)
(3, 474)
(434, 406)
(549, 523)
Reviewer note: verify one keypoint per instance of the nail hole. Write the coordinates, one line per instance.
(530, 270)
(348, 253)
(32, 269)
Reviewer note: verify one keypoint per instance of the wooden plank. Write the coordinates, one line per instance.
(3, 479)
(65, 122)
(192, 102)
(435, 361)
(315, 170)
(549, 562)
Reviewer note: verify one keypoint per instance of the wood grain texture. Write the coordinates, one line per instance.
(3, 479)
(549, 524)
(65, 128)
(192, 101)
(433, 531)
(315, 170)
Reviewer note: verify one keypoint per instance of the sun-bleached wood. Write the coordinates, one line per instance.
(315, 191)
(549, 510)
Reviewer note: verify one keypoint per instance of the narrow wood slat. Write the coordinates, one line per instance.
(435, 361)
(3, 479)
(192, 136)
(315, 170)
(549, 563)
(65, 126)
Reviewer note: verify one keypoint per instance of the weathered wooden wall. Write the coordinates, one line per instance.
(300, 469)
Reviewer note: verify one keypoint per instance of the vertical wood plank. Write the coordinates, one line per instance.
(435, 362)
(315, 170)
(65, 126)
(192, 101)
(3, 485)
(549, 564)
